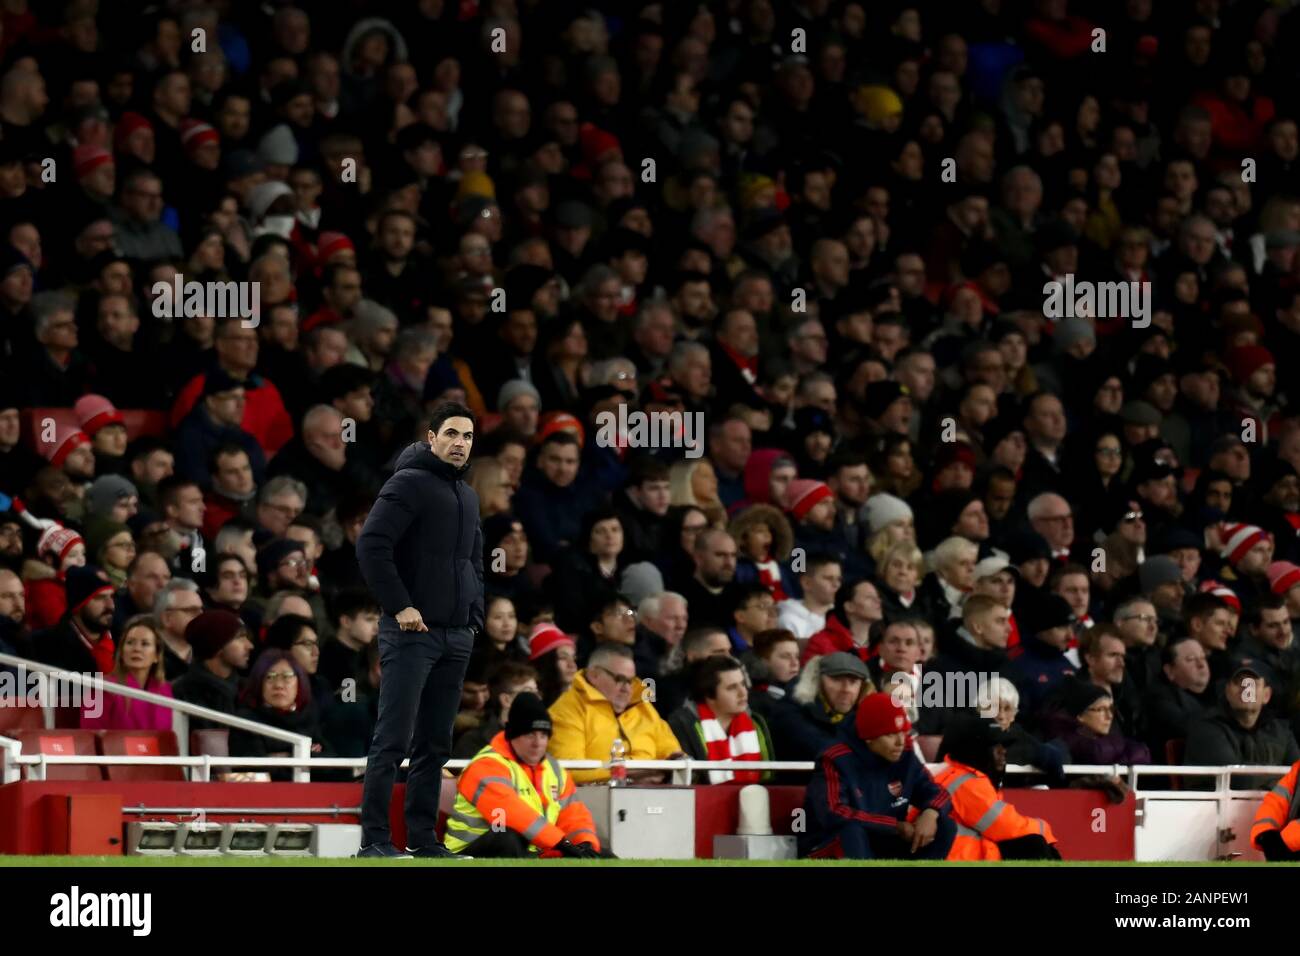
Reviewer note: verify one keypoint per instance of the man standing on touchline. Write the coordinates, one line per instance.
(421, 553)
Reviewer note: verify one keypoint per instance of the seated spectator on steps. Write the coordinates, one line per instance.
(717, 724)
(1276, 830)
(850, 622)
(1238, 731)
(221, 649)
(138, 663)
(513, 781)
(865, 785)
(1095, 736)
(506, 681)
(773, 669)
(278, 693)
(606, 702)
(988, 828)
(825, 697)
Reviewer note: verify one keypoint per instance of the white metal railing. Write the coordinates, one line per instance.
(181, 710)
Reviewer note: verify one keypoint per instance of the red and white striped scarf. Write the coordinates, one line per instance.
(740, 744)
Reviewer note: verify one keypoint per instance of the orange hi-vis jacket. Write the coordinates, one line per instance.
(540, 803)
(983, 818)
(1280, 810)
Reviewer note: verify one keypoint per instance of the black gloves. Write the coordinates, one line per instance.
(1275, 848)
(577, 851)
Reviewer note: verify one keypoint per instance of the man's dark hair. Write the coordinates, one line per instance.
(1200, 606)
(350, 602)
(845, 594)
(503, 677)
(225, 450)
(446, 410)
(1167, 655)
(764, 641)
(497, 439)
(561, 437)
(1268, 602)
(169, 490)
(744, 593)
(844, 458)
(706, 675)
(605, 602)
(643, 468)
(818, 560)
(312, 522)
(1064, 572)
(695, 638)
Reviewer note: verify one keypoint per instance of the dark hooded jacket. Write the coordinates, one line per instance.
(422, 545)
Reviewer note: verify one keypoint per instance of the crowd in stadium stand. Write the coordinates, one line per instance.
(978, 321)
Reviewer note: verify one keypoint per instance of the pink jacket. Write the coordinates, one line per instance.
(125, 713)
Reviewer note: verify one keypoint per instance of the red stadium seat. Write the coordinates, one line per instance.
(213, 743)
(929, 744)
(489, 421)
(62, 743)
(15, 715)
(1174, 750)
(140, 743)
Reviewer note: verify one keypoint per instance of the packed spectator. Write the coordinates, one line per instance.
(965, 345)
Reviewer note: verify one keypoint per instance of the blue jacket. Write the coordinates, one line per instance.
(1037, 672)
(422, 545)
(853, 788)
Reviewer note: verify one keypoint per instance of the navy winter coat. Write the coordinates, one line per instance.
(422, 545)
(852, 788)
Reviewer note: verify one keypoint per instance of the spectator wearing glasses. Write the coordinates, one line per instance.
(278, 693)
(1050, 515)
(608, 702)
(296, 635)
(1136, 620)
(280, 501)
(137, 663)
(1092, 736)
(175, 605)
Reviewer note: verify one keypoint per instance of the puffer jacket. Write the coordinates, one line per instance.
(422, 544)
(586, 727)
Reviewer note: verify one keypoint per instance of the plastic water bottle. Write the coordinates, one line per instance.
(618, 763)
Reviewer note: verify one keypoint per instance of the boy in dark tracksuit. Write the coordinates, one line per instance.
(865, 783)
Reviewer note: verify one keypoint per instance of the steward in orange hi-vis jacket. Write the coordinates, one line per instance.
(515, 801)
(1276, 831)
(988, 828)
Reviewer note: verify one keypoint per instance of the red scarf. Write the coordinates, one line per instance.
(737, 742)
(769, 575)
(748, 365)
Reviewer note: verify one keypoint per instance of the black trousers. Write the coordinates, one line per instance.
(1032, 847)
(508, 845)
(421, 674)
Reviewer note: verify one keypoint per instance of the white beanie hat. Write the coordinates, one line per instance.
(882, 510)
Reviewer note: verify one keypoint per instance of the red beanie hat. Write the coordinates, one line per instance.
(1223, 593)
(57, 541)
(803, 494)
(1246, 360)
(128, 124)
(95, 412)
(553, 422)
(1283, 576)
(879, 715)
(545, 638)
(330, 243)
(66, 440)
(86, 158)
(1238, 539)
(194, 133)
